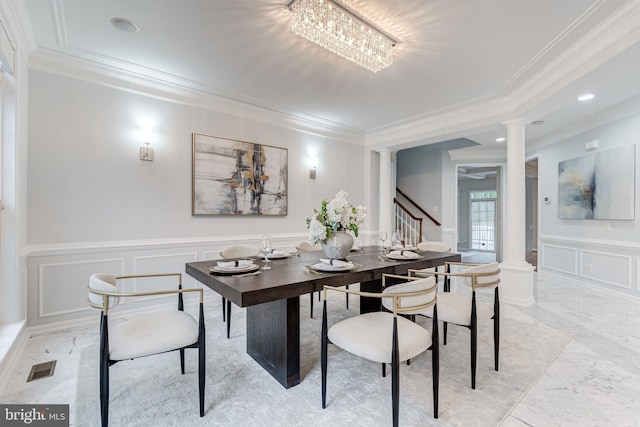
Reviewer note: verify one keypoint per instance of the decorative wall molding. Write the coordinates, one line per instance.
(610, 270)
(44, 284)
(556, 250)
(601, 243)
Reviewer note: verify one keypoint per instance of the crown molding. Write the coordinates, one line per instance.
(152, 83)
(615, 33)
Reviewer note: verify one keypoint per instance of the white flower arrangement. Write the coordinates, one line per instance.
(336, 215)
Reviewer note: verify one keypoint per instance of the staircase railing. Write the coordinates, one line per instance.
(417, 206)
(408, 225)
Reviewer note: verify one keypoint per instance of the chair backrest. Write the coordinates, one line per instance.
(238, 251)
(484, 275)
(412, 304)
(306, 246)
(434, 247)
(102, 282)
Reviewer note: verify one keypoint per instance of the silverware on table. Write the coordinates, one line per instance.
(308, 270)
(254, 273)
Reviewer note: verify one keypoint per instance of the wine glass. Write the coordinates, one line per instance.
(266, 250)
(395, 239)
(383, 237)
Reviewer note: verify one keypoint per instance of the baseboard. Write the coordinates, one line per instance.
(584, 284)
(13, 339)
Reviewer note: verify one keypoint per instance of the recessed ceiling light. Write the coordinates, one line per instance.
(586, 97)
(537, 122)
(124, 25)
(501, 139)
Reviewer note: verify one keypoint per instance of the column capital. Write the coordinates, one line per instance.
(385, 150)
(514, 122)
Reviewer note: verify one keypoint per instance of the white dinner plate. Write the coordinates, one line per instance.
(321, 266)
(234, 270)
(356, 248)
(278, 255)
(402, 257)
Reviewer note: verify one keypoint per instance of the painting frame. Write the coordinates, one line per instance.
(599, 185)
(232, 177)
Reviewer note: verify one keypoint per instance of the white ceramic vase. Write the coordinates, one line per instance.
(338, 245)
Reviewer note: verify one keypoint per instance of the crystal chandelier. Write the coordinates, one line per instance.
(338, 30)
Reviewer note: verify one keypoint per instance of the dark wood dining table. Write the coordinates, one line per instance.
(273, 305)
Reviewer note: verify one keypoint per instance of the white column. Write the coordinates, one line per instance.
(516, 274)
(385, 192)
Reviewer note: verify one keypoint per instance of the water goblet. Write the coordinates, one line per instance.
(266, 250)
(383, 237)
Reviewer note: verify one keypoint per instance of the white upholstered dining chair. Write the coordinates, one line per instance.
(235, 251)
(146, 335)
(386, 337)
(465, 310)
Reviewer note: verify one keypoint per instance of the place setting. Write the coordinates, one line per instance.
(238, 268)
(331, 265)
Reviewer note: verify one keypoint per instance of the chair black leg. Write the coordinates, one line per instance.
(228, 318)
(224, 309)
(182, 361)
(201, 360)
(104, 371)
(444, 333)
(384, 370)
(395, 375)
(347, 298)
(496, 329)
(474, 339)
(435, 361)
(323, 355)
(311, 301)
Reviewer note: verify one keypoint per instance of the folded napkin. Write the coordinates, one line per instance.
(406, 254)
(236, 263)
(335, 262)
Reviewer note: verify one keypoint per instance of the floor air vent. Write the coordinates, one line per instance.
(42, 370)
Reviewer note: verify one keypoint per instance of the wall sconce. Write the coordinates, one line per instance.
(313, 161)
(146, 152)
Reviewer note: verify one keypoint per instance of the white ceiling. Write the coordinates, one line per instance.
(450, 54)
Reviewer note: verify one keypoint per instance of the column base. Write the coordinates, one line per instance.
(516, 283)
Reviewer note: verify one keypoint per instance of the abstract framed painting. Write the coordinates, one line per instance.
(598, 186)
(233, 177)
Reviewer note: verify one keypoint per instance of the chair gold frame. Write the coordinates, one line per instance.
(473, 326)
(106, 362)
(398, 308)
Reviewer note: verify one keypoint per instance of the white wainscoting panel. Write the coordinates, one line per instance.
(562, 259)
(62, 286)
(612, 269)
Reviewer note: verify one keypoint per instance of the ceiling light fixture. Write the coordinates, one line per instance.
(124, 25)
(586, 97)
(340, 31)
(501, 139)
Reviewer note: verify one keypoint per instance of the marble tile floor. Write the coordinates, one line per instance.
(571, 359)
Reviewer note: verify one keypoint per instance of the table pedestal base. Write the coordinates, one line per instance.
(273, 338)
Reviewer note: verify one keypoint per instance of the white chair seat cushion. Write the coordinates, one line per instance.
(456, 308)
(152, 334)
(370, 336)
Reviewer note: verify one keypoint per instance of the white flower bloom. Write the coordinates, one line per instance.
(337, 215)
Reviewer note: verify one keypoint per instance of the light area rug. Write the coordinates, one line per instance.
(151, 391)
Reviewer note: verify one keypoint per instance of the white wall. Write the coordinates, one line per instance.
(419, 176)
(94, 206)
(585, 250)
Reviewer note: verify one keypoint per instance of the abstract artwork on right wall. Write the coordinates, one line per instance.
(598, 186)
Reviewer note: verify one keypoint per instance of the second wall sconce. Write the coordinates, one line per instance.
(146, 152)
(313, 161)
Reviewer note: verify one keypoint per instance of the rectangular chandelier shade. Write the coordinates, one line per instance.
(336, 29)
